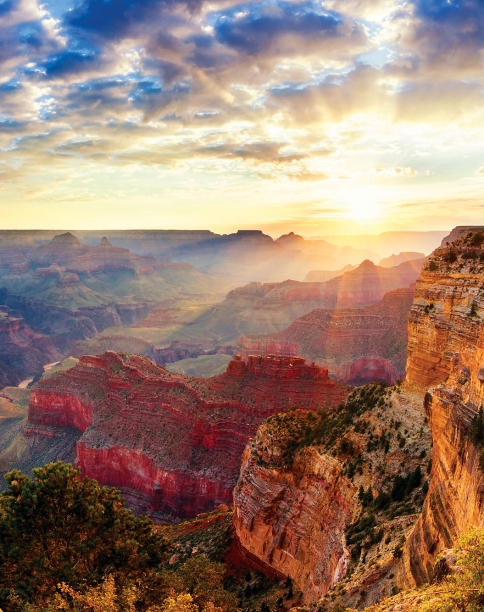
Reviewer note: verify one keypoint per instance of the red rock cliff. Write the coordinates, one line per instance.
(294, 500)
(172, 443)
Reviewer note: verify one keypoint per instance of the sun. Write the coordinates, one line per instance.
(364, 207)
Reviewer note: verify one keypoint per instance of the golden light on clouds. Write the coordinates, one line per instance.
(238, 114)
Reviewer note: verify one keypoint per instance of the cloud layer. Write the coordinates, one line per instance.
(242, 95)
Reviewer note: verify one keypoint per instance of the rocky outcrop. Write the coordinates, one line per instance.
(301, 504)
(172, 443)
(446, 353)
(357, 345)
(294, 520)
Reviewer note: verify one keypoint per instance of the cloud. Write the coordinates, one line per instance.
(396, 172)
(480, 171)
(268, 86)
(254, 29)
(116, 19)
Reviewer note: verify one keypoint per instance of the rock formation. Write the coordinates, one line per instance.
(23, 352)
(71, 291)
(171, 443)
(279, 503)
(271, 307)
(358, 345)
(446, 353)
(299, 510)
(396, 260)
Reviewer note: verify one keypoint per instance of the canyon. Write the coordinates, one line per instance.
(64, 291)
(357, 345)
(351, 494)
(171, 443)
(23, 351)
(308, 513)
(271, 307)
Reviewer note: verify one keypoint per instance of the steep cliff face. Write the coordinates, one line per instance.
(303, 505)
(171, 442)
(446, 352)
(294, 520)
(358, 345)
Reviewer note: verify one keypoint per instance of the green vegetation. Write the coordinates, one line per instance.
(476, 435)
(477, 239)
(209, 534)
(203, 366)
(459, 591)
(62, 366)
(68, 544)
(57, 528)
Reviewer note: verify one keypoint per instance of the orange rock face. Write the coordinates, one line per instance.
(446, 352)
(292, 521)
(172, 443)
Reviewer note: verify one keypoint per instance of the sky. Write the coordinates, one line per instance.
(320, 117)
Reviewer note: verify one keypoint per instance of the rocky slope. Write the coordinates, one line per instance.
(357, 345)
(23, 352)
(171, 443)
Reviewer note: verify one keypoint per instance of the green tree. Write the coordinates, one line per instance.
(59, 528)
(203, 580)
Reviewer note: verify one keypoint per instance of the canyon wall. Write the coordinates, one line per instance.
(172, 443)
(446, 353)
(23, 351)
(444, 385)
(293, 521)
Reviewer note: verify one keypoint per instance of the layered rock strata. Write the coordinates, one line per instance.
(300, 489)
(358, 345)
(172, 443)
(446, 353)
(23, 351)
